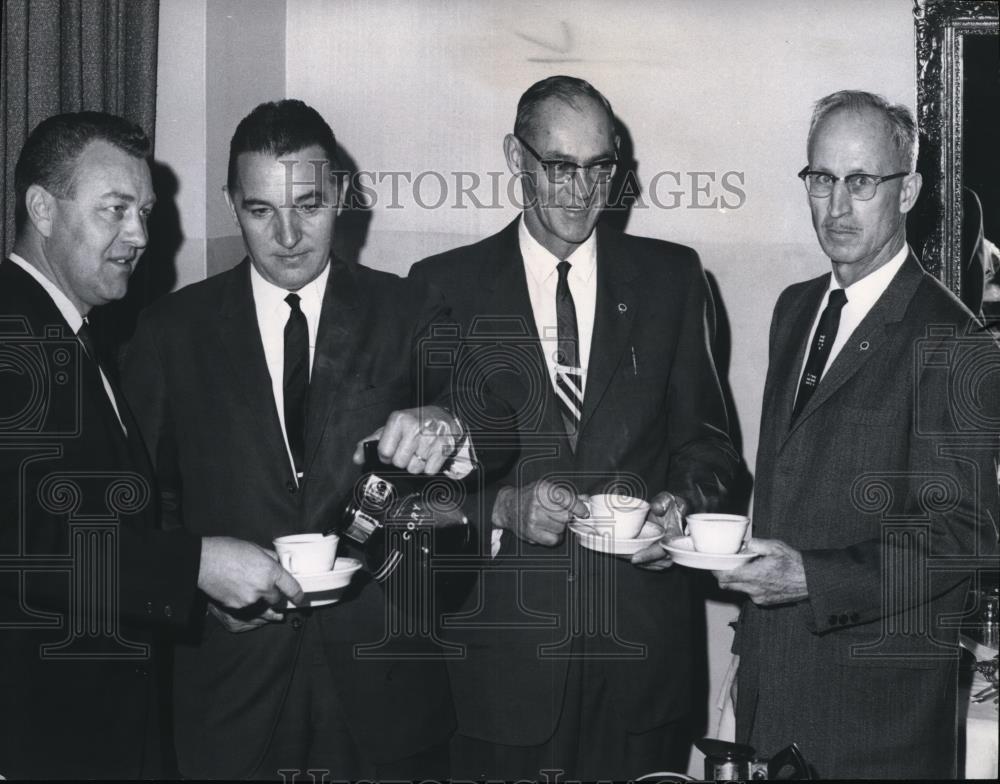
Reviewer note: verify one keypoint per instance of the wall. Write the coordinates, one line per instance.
(710, 86)
(217, 60)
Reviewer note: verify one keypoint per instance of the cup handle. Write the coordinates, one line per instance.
(285, 559)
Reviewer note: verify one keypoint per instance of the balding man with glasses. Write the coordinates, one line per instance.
(873, 501)
(577, 661)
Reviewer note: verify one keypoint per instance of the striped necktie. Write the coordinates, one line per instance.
(569, 376)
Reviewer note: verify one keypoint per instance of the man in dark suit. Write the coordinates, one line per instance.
(85, 574)
(876, 488)
(253, 389)
(574, 660)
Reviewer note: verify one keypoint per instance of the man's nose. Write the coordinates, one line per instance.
(287, 229)
(841, 201)
(134, 231)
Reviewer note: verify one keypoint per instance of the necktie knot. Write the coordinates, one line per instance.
(87, 340)
(563, 269)
(837, 299)
(293, 300)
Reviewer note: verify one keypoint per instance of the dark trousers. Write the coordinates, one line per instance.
(312, 740)
(589, 743)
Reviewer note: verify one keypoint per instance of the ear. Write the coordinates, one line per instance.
(338, 183)
(910, 191)
(513, 153)
(229, 202)
(40, 206)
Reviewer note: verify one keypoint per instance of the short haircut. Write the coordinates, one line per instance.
(568, 89)
(278, 128)
(902, 127)
(50, 153)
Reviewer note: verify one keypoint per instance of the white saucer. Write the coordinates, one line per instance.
(596, 538)
(323, 588)
(682, 551)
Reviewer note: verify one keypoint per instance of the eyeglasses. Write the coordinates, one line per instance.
(559, 171)
(862, 187)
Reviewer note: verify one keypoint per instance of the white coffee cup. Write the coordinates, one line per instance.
(622, 512)
(307, 553)
(717, 533)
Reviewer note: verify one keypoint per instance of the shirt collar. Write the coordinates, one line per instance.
(66, 308)
(271, 298)
(865, 292)
(540, 263)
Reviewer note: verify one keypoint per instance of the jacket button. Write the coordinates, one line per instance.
(843, 619)
(832, 620)
(149, 608)
(854, 617)
(141, 671)
(296, 623)
(168, 611)
(291, 487)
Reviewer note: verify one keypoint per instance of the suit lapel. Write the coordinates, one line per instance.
(790, 353)
(507, 294)
(241, 346)
(336, 345)
(870, 337)
(615, 312)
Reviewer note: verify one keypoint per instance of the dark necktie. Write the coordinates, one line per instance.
(569, 377)
(86, 338)
(296, 380)
(819, 350)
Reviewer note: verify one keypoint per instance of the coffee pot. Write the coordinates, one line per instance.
(726, 761)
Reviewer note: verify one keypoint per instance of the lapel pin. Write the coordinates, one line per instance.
(865, 345)
(622, 307)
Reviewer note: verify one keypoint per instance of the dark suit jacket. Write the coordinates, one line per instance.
(78, 711)
(653, 419)
(884, 467)
(197, 372)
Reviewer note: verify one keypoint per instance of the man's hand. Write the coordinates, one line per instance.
(776, 576)
(539, 512)
(244, 621)
(239, 574)
(420, 440)
(667, 511)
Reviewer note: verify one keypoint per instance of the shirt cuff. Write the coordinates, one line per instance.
(460, 465)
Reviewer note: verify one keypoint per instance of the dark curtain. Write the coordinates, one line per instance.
(69, 56)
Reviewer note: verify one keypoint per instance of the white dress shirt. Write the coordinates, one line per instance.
(861, 298)
(72, 316)
(543, 277)
(272, 315)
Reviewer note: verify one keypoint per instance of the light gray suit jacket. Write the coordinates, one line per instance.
(885, 483)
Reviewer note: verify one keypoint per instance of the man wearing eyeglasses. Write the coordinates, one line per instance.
(872, 501)
(577, 661)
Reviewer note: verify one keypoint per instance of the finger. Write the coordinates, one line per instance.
(359, 449)
(288, 587)
(416, 465)
(579, 508)
(763, 546)
(272, 616)
(392, 433)
(437, 457)
(650, 554)
(662, 503)
(405, 443)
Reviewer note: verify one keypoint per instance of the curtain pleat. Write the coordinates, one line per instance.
(70, 56)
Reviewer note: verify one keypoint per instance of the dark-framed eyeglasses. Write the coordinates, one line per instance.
(559, 171)
(862, 187)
